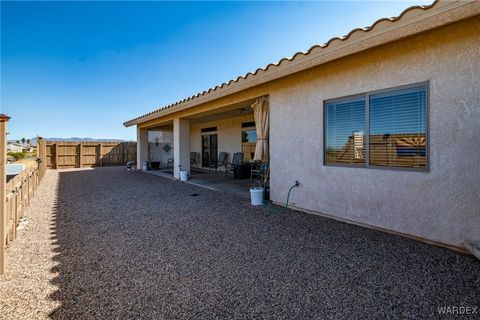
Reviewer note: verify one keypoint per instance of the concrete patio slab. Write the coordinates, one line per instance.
(212, 180)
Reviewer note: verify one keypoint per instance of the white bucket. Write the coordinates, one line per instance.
(145, 165)
(256, 196)
(183, 175)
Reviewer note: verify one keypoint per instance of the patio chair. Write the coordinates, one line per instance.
(221, 162)
(193, 158)
(258, 169)
(237, 160)
(170, 162)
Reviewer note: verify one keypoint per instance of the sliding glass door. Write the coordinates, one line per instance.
(209, 149)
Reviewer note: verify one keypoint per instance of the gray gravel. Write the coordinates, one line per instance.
(27, 284)
(125, 244)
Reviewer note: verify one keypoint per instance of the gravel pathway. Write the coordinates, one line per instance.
(27, 284)
(125, 244)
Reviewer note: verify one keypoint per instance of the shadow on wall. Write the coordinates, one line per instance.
(133, 245)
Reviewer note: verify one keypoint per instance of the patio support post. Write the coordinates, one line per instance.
(142, 146)
(181, 146)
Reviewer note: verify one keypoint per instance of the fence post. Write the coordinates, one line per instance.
(100, 155)
(56, 155)
(41, 153)
(121, 154)
(38, 146)
(80, 156)
(44, 155)
(3, 185)
(38, 156)
(27, 182)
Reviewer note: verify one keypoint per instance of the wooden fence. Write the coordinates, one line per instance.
(64, 155)
(15, 195)
(19, 191)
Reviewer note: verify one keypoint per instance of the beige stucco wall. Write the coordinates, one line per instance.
(229, 135)
(157, 141)
(442, 205)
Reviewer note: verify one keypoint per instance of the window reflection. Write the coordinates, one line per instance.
(249, 142)
(345, 132)
(398, 128)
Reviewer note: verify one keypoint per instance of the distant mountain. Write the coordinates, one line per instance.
(82, 139)
(33, 141)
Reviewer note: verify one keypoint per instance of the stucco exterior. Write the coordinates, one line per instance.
(442, 205)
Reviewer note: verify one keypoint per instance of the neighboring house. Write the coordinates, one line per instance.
(19, 147)
(15, 147)
(381, 127)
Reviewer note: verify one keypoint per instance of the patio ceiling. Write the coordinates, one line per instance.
(166, 127)
(234, 110)
(239, 109)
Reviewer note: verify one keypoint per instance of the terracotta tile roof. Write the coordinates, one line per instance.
(355, 33)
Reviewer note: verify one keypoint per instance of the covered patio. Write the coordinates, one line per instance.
(208, 143)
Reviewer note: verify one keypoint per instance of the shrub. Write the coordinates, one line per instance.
(17, 155)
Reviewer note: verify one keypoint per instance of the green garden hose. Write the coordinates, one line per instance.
(269, 205)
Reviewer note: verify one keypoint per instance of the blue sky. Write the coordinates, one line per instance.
(83, 68)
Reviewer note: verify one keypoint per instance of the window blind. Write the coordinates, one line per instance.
(393, 123)
(397, 131)
(345, 132)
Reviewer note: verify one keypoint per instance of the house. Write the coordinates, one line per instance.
(15, 147)
(381, 126)
(19, 147)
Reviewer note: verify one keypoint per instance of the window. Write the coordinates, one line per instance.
(249, 135)
(380, 129)
(249, 142)
(345, 132)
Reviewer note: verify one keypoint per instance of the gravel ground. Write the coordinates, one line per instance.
(27, 284)
(110, 243)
